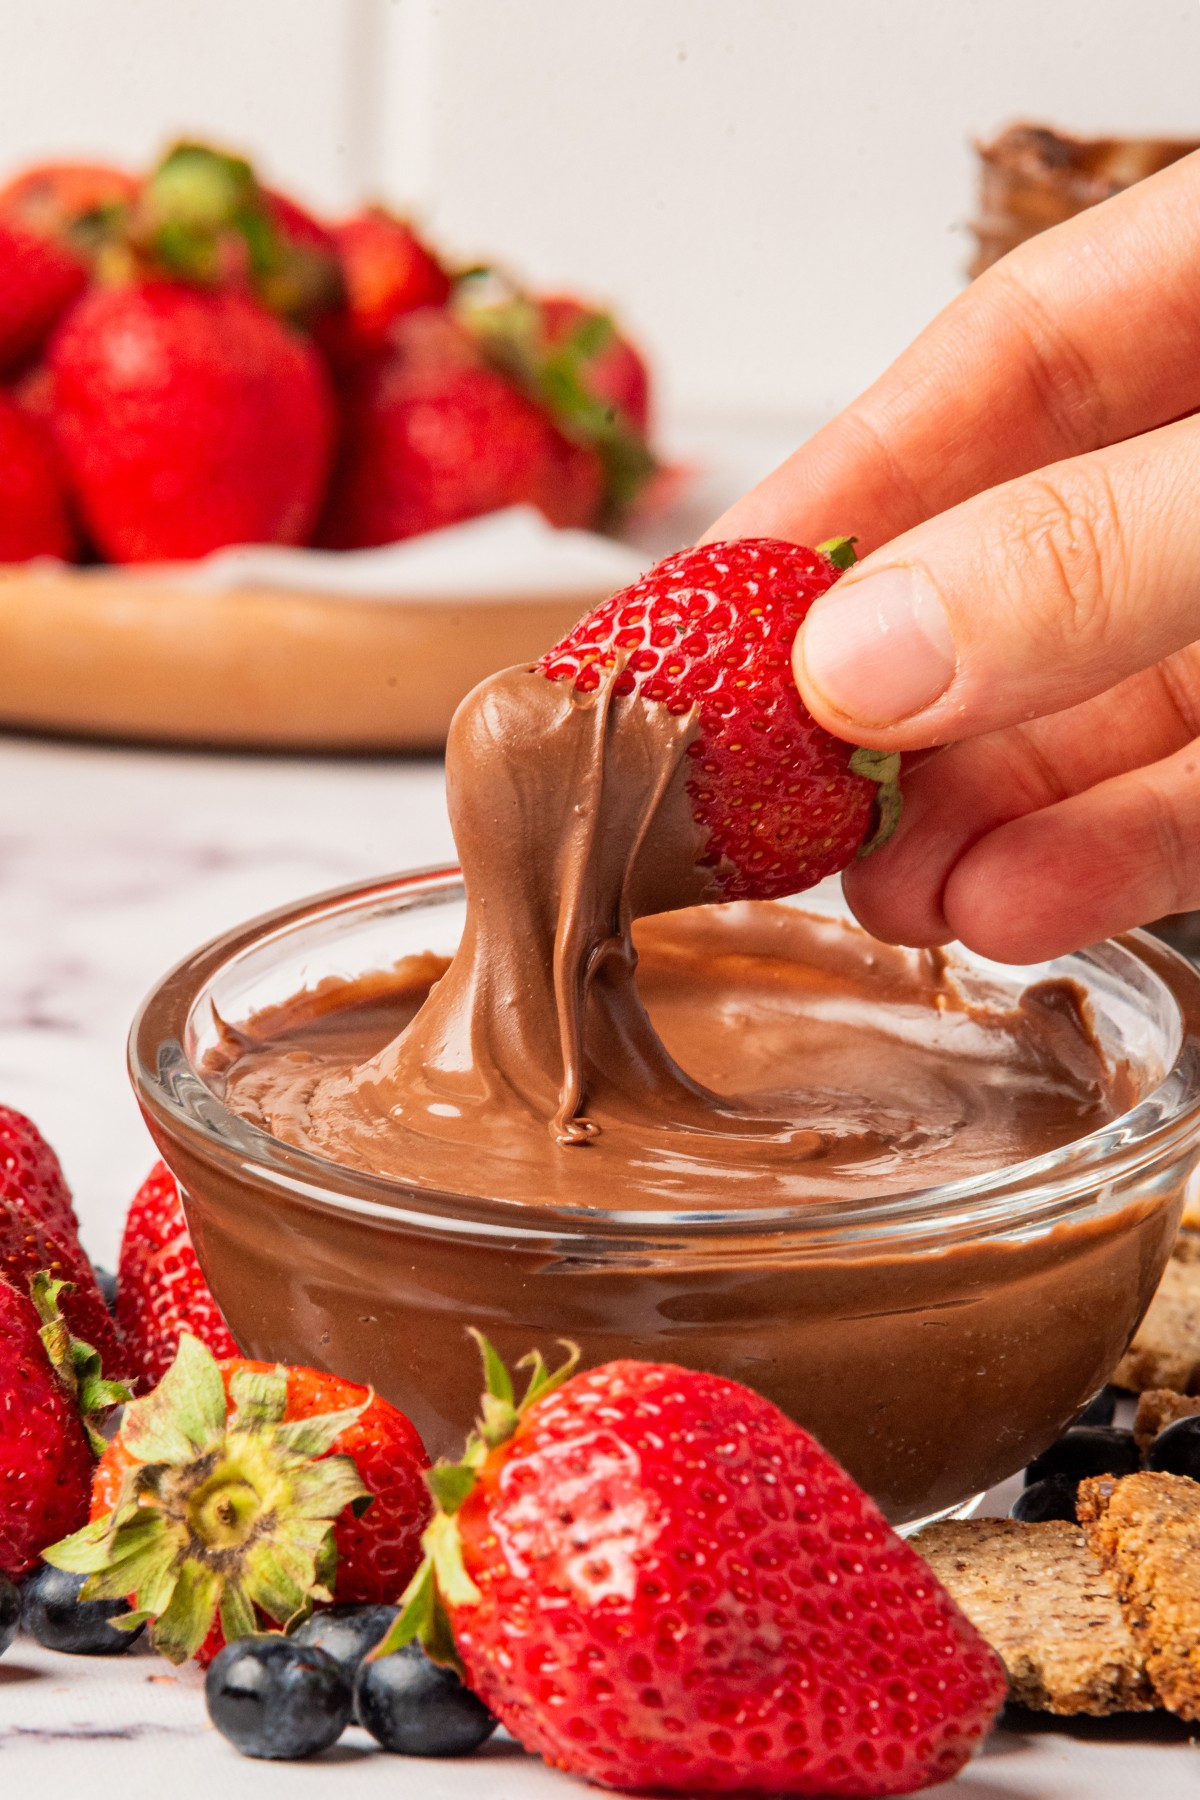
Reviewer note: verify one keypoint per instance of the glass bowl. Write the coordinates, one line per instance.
(933, 1340)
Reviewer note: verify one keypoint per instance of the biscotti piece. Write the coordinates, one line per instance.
(1145, 1529)
(1042, 1601)
(1159, 1407)
(1165, 1352)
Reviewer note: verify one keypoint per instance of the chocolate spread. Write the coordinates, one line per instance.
(632, 1077)
(727, 1056)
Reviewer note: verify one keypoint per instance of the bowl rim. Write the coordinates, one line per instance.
(1022, 1199)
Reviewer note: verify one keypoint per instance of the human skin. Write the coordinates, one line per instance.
(1025, 485)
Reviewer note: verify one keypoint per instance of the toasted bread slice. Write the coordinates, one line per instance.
(1044, 1604)
(1145, 1529)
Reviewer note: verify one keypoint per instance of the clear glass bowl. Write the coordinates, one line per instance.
(934, 1340)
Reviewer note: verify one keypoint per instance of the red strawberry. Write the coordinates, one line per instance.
(433, 435)
(33, 508)
(781, 802)
(659, 1582)
(161, 1291)
(249, 1482)
(203, 216)
(572, 360)
(38, 281)
(614, 372)
(68, 201)
(46, 1459)
(31, 1177)
(27, 1247)
(387, 271)
(188, 420)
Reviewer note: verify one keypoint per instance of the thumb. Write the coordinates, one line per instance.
(1022, 601)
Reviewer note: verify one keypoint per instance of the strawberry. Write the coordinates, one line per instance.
(202, 216)
(161, 1291)
(50, 1390)
(38, 281)
(76, 203)
(658, 1582)
(433, 435)
(237, 1489)
(781, 803)
(28, 1247)
(31, 1176)
(33, 508)
(188, 420)
(614, 372)
(387, 271)
(572, 360)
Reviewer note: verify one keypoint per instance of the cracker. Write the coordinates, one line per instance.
(1159, 1407)
(1145, 1529)
(1165, 1352)
(1042, 1601)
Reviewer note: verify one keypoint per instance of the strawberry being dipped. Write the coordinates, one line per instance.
(51, 1389)
(161, 1291)
(659, 1583)
(188, 419)
(433, 435)
(242, 1491)
(34, 520)
(708, 634)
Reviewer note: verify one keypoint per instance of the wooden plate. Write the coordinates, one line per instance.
(100, 653)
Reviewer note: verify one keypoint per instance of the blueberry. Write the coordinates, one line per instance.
(10, 1613)
(417, 1708)
(1177, 1449)
(1052, 1498)
(53, 1613)
(346, 1633)
(106, 1281)
(1101, 1410)
(275, 1698)
(1087, 1450)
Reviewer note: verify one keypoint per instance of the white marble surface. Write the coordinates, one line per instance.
(113, 864)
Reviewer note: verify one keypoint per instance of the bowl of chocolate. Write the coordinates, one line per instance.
(918, 1199)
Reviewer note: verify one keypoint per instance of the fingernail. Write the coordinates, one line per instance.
(878, 649)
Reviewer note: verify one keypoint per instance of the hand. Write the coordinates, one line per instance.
(1035, 603)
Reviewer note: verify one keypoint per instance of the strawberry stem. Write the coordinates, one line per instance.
(839, 551)
(883, 768)
(76, 1364)
(442, 1576)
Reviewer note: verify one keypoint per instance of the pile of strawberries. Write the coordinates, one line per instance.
(190, 359)
(649, 1575)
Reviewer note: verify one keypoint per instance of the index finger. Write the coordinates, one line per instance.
(1077, 339)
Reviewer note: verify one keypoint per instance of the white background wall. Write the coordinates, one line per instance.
(773, 190)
